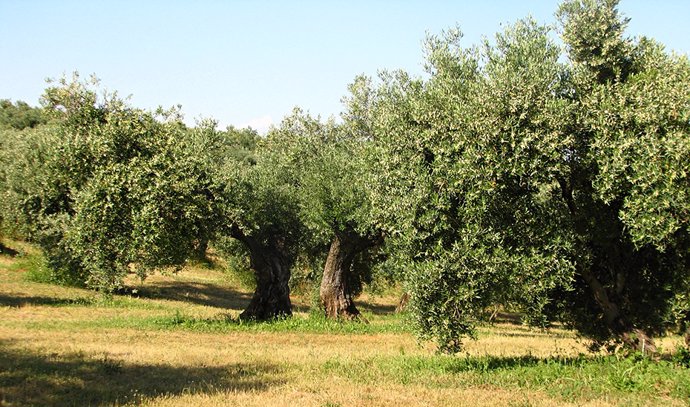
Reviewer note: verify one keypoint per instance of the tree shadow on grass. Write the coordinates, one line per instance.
(376, 309)
(17, 301)
(7, 251)
(532, 334)
(491, 363)
(28, 378)
(206, 294)
(488, 363)
(362, 306)
(210, 295)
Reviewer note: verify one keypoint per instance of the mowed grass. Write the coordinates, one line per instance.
(175, 341)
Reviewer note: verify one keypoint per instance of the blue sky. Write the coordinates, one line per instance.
(249, 62)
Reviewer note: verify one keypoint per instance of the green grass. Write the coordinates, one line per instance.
(221, 323)
(35, 265)
(569, 378)
(297, 323)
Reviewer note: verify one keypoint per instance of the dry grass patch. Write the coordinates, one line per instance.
(340, 393)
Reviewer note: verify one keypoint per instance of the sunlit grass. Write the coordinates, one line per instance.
(568, 377)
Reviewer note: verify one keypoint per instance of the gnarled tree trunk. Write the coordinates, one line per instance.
(271, 267)
(637, 339)
(632, 337)
(402, 302)
(335, 294)
(200, 249)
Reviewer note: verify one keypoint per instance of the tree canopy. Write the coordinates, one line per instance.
(19, 115)
(557, 183)
(107, 188)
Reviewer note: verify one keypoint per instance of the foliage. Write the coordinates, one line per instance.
(108, 188)
(557, 185)
(258, 177)
(13, 118)
(20, 115)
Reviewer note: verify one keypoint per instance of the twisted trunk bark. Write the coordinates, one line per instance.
(271, 298)
(201, 248)
(335, 294)
(632, 337)
(402, 302)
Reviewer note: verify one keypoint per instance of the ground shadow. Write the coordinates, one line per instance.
(211, 295)
(300, 307)
(32, 379)
(536, 333)
(493, 363)
(376, 309)
(197, 293)
(7, 251)
(18, 301)
(514, 318)
(362, 306)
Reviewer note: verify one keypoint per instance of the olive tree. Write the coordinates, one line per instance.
(19, 115)
(16, 119)
(300, 195)
(633, 117)
(109, 188)
(335, 200)
(261, 211)
(4, 160)
(557, 184)
(337, 205)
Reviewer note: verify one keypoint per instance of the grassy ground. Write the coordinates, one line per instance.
(175, 342)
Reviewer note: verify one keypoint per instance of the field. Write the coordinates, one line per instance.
(175, 341)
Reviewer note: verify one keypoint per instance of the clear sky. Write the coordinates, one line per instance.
(249, 62)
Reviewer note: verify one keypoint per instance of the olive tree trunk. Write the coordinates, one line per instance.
(402, 302)
(271, 265)
(201, 249)
(335, 292)
(632, 337)
(336, 296)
